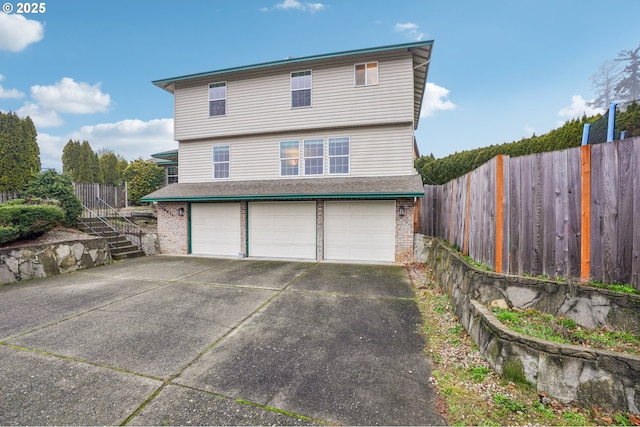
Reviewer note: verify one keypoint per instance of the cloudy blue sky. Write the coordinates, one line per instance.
(501, 69)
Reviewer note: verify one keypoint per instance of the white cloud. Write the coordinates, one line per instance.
(67, 96)
(18, 32)
(9, 93)
(131, 138)
(435, 99)
(529, 131)
(410, 29)
(297, 5)
(42, 117)
(577, 108)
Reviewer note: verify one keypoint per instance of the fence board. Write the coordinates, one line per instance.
(515, 203)
(625, 213)
(561, 199)
(635, 251)
(573, 208)
(597, 211)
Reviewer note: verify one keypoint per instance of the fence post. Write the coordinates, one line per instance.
(465, 245)
(611, 125)
(585, 213)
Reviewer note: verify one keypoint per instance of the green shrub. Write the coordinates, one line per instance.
(8, 234)
(21, 221)
(51, 185)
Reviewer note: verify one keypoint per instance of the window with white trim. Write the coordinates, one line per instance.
(366, 74)
(289, 158)
(339, 155)
(313, 156)
(220, 162)
(301, 89)
(217, 99)
(172, 174)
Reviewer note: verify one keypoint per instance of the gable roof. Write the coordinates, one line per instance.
(420, 51)
(389, 187)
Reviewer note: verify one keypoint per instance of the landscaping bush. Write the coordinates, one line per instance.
(51, 185)
(8, 234)
(19, 221)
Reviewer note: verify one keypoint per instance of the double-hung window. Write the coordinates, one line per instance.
(338, 155)
(217, 99)
(313, 156)
(220, 162)
(301, 89)
(172, 174)
(289, 158)
(366, 74)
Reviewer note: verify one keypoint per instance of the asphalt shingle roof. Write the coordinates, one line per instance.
(293, 188)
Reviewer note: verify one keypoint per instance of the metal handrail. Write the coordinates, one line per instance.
(103, 222)
(130, 230)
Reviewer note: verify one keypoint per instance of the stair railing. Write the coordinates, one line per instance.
(103, 227)
(119, 222)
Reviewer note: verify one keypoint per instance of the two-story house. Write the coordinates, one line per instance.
(306, 158)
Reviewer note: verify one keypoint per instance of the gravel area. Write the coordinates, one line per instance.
(58, 234)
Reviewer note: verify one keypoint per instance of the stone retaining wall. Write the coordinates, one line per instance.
(565, 372)
(30, 262)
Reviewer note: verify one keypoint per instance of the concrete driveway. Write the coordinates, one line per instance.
(183, 340)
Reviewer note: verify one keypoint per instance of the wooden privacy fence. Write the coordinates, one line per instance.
(571, 214)
(114, 195)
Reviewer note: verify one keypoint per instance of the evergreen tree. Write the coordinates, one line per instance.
(604, 82)
(628, 89)
(71, 159)
(19, 152)
(143, 177)
(111, 168)
(87, 165)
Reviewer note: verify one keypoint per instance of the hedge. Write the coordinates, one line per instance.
(22, 221)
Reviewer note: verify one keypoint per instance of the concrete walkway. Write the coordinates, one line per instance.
(199, 341)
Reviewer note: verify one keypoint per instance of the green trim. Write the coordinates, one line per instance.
(165, 154)
(167, 163)
(284, 196)
(246, 231)
(163, 83)
(189, 227)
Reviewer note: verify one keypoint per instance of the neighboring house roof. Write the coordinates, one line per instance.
(306, 188)
(421, 52)
(165, 158)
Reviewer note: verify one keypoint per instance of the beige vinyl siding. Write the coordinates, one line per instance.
(374, 151)
(259, 101)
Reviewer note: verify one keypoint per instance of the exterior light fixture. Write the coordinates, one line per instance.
(180, 211)
(401, 211)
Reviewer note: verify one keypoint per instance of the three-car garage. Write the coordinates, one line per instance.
(342, 230)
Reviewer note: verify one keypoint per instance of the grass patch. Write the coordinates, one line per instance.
(616, 287)
(565, 330)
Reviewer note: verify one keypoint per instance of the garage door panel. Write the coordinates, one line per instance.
(282, 229)
(215, 229)
(360, 231)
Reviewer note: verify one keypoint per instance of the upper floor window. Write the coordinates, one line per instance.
(217, 99)
(172, 174)
(301, 89)
(289, 158)
(220, 161)
(338, 155)
(313, 157)
(366, 74)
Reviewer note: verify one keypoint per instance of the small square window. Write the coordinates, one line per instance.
(366, 74)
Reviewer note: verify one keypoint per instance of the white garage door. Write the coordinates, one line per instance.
(215, 229)
(360, 231)
(282, 229)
